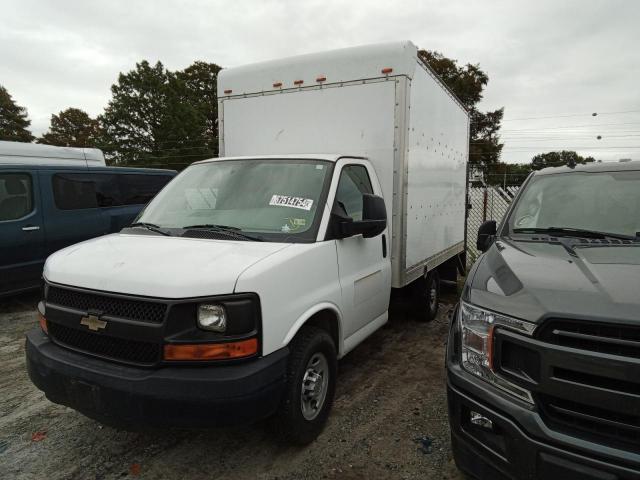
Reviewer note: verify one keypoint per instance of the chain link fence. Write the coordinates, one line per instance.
(487, 203)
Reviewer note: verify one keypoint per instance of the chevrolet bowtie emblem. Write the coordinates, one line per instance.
(93, 322)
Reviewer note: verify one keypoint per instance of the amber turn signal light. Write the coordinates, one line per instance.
(211, 351)
(43, 323)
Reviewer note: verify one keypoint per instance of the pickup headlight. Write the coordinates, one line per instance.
(212, 317)
(477, 327)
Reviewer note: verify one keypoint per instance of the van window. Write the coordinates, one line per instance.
(16, 196)
(140, 189)
(354, 182)
(74, 191)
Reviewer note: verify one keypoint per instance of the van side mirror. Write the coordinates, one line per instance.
(486, 233)
(373, 223)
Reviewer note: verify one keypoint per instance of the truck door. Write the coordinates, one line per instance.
(363, 263)
(21, 231)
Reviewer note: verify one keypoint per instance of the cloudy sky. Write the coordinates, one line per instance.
(559, 60)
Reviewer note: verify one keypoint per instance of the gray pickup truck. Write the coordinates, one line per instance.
(543, 356)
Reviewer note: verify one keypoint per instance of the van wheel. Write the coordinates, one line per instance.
(426, 297)
(311, 380)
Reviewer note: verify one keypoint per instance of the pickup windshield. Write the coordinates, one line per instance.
(276, 200)
(586, 202)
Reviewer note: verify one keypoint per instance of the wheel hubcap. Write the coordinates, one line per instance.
(315, 382)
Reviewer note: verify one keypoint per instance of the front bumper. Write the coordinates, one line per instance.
(520, 446)
(131, 397)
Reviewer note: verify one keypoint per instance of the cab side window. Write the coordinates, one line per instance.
(354, 182)
(16, 196)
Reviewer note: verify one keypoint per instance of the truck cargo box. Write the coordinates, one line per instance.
(381, 102)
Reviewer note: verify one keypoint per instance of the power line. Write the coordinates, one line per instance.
(594, 114)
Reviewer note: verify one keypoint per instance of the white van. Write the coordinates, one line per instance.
(249, 276)
(32, 153)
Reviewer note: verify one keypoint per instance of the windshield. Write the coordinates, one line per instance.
(607, 202)
(277, 199)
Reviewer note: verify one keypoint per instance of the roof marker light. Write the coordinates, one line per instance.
(321, 78)
(298, 82)
(387, 70)
(227, 92)
(277, 85)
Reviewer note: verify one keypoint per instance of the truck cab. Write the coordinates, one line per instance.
(543, 349)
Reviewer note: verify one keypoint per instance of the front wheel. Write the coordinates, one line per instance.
(311, 380)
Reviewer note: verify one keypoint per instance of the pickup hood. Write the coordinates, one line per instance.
(534, 280)
(156, 266)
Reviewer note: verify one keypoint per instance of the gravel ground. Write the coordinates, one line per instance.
(391, 391)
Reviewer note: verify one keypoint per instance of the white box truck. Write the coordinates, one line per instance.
(246, 279)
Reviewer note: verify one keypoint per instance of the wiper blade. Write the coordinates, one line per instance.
(213, 226)
(574, 232)
(224, 228)
(150, 226)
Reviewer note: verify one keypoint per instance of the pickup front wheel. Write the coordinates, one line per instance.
(311, 380)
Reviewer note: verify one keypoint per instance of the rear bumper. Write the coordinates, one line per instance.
(509, 451)
(133, 397)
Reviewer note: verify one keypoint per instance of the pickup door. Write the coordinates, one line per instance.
(363, 263)
(21, 231)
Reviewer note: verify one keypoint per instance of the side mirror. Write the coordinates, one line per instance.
(486, 232)
(373, 223)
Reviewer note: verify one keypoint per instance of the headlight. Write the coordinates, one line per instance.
(212, 317)
(477, 328)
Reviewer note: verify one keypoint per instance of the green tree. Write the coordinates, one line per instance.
(557, 159)
(14, 124)
(467, 83)
(160, 118)
(199, 89)
(72, 128)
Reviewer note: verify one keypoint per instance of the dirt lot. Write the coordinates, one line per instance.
(390, 392)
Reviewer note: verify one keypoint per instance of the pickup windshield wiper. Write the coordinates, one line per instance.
(574, 232)
(223, 228)
(150, 226)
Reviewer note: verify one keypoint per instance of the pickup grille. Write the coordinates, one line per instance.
(129, 351)
(144, 311)
(600, 403)
(598, 424)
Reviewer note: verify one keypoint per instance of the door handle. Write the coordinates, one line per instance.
(30, 228)
(384, 246)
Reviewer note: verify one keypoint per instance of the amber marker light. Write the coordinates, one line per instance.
(321, 79)
(211, 351)
(227, 92)
(277, 85)
(43, 323)
(298, 82)
(387, 70)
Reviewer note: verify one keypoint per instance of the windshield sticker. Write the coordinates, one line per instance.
(293, 202)
(298, 222)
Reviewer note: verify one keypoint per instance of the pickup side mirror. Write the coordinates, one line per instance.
(486, 233)
(373, 223)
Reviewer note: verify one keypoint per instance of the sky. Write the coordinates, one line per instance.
(551, 64)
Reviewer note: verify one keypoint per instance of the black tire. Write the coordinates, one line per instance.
(425, 298)
(289, 422)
